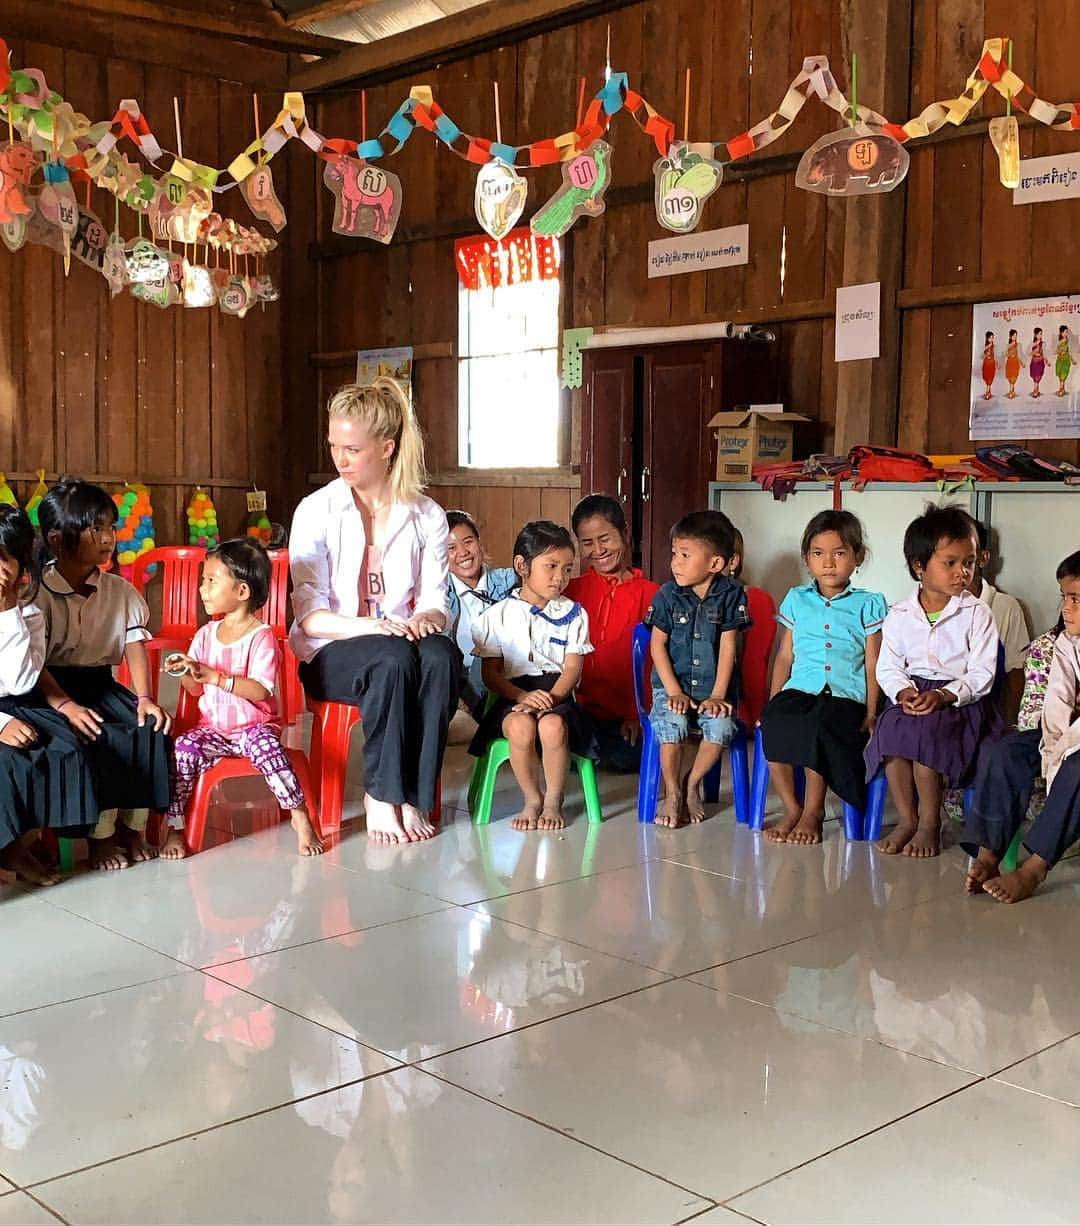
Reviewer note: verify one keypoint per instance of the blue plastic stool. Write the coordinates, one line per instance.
(857, 825)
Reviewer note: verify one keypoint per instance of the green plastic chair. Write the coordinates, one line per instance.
(1010, 858)
(482, 784)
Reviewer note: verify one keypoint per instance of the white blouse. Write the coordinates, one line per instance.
(22, 652)
(89, 631)
(961, 647)
(1060, 725)
(327, 546)
(531, 641)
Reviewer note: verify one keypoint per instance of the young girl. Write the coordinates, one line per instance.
(44, 778)
(93, 620)
(532, 645)
(937, 665)
(824, 691)
(233, 666)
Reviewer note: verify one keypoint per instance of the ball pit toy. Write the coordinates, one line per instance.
(202, 520)
(134, 524)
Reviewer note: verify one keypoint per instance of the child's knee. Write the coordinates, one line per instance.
(519, 728)
(717, 729)
(669, 728)
(552, 731)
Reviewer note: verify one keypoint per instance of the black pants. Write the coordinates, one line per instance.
(1005, 781)
(407, 694)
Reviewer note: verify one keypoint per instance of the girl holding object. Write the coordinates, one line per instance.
(989, 365)
(1037, 367)
(1012, 363)
(233, 667)
(1064, 361)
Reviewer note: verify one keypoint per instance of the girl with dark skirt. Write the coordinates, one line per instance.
(93, 620)
(824, 691)
(937, 666)
(533, 645)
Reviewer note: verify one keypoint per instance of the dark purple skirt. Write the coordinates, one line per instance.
(947, 741)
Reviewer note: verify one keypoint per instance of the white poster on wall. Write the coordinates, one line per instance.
(1023, 369)
(1052, 178)
(700, 252)
(858, 322)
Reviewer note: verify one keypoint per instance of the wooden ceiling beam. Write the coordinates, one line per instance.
(477, 29)
(327, 9)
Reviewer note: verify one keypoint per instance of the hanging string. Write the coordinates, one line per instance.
(854, 89)
(607, 60)
(363, 115)
(1008, 96)
(686, 109)
(581, 102)
(258, 126)
(179, 137)
(498, 119)
(116, 218)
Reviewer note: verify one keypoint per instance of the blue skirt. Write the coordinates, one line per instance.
(947, 741)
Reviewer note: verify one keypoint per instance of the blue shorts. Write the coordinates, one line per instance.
(672, 729)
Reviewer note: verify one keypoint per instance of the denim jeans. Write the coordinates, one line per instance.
(672, 729)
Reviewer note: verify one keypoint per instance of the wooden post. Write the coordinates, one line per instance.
(867, 392)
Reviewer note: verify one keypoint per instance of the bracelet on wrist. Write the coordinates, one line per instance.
(61, 705)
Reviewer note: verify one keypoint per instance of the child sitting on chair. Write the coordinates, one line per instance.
(233, 667)
(694, 618)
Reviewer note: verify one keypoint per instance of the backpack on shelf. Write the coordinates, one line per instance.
(889, 464)
(1018, 462)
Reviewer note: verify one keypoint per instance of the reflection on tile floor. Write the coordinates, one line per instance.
(621, 1024)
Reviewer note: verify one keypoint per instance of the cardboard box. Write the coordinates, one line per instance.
(755, 434)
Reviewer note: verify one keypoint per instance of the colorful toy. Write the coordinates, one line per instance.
(202, 520)
(36, 494)
(134, 525)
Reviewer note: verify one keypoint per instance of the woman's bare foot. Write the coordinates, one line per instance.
(106, 856)
(925, 842)
(1021, 883)
(18, 858)
(808, 831)
(417, 826)
(898, 838)
(778, 832)
(308, 842)
(174, 847)
(672, 811)
(551, 816)
(134, 845)
(981, 870)
(529, 817)
(383, 823)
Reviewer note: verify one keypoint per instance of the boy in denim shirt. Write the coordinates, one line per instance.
(695, 620)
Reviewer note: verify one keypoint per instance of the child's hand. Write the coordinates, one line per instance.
(715, 707)
(201, 674)
(869, 724)
(928, 703)
(17, 734)
(149, 709)
(535, 700)
(679, 702)
(86, 723)
(630, 731)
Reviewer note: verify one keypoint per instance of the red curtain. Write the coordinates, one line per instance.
(521, 256)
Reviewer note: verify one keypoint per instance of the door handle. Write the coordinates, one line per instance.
(618, 485)
(645, 474)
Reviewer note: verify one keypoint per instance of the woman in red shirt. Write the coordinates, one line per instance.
(616, 597)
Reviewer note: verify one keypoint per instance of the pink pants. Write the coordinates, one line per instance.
(199, 749)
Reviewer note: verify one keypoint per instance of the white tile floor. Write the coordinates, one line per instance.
(621, 1024)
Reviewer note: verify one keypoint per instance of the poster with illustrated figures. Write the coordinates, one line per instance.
(1024, 378)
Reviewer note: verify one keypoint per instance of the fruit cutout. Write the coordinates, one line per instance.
(36, 494)
(134, 525)
(586, 179)
(500, 198)
(202, 520)
(58, 206)
(685, 179)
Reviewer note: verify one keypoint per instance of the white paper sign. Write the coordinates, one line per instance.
(700, 252)
(858, 321)
(1052, 178)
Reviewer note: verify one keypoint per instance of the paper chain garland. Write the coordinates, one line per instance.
(89, 151)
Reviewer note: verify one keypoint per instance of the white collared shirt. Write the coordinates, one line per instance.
(469, 609)
(961, 647)
(531, 642)
(88, 631)
(1011, 624)
(327, 546)
(1060, 727)
(22, 652)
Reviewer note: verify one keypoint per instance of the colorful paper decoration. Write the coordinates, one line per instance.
(520, 257)
(58, 206)
(237, 296)
(367, 199)
(202, 520)
(134, 524)
(7, 495)
(258, 191)
(1005, 137)
(573, 340)
(198, 286)
(586, 179)
(17, 162)
(500, 198)
(13, 233)
(91, 239)
(265, 289)
(148, 273)
(36, 494)
(685, 179)
(853, 162)
(114, 266)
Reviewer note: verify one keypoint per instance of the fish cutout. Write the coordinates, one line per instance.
(853, 162)
(500, 198)
(258, 190)
(685, 179)
(367, 198)
(586, 179)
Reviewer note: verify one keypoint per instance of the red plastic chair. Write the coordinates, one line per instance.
(331, 730)
(180, 604)
(276, 614)
(757, 653)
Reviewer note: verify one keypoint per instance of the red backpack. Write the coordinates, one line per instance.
(889, 464)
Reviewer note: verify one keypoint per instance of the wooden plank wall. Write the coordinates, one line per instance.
(122, 390)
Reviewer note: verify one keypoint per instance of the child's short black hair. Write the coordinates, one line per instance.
(1069, 568)
(951, 523)
(537, 537)
(461, 519)
(712, 528)
(846, 526)
(72, 506)
(248, 562)
(603, 505)
(17, 541)
(739, 552)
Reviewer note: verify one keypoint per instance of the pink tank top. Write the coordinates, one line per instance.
(372, 588)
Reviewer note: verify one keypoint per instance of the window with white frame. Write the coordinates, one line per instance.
(509, 397)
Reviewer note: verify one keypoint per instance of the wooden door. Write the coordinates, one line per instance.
(607, 425)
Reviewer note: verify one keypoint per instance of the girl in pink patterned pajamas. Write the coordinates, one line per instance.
(232, 665)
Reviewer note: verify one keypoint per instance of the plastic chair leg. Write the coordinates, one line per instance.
(759, 785)
(1011, 857)
(197, 810)
(649, 776)
(497, 753)
(740, 777)
(333, 759)
(587, 771)
(853, 823)
(67, 855)
(876, 795)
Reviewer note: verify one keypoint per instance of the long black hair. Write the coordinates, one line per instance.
(17, 541)
(69, 508)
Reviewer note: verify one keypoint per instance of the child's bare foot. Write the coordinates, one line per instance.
(898, 838)
(529, 817)
(383, 823)
(981, 870)
(134, 844)
(551, 816)
(925, 842)
(417, 826)
(671, 812)
(18, 858)
(808, 831)
(778, 832)
(1021, 883)
(174, 847)
(308, 842)
(106, 856)
(695, 800)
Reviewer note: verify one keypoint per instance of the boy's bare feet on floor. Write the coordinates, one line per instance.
(981, 870)
(417, 826)
(672, 812)
(174, 847)
(383, 824)
(807, 832)
(925, 842)
(695, 801)
(898, 838)
(551, 816)
(308, 842)
(106, 856)
(134, 845)
(1021, 883)
(778, 832)
(529, 817)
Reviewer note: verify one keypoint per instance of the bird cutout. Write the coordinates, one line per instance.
(367, 198)
(1005, 137)
(586, 179)
(258, 191)
(685, 179)
(853, 162)
(17, 162)
(114, 266)
(500, 198)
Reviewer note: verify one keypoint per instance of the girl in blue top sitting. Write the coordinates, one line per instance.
(824, 692)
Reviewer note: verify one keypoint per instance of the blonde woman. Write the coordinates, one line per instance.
(369, 571)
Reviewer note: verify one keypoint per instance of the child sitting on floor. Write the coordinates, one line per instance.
(937, 665)
(1044, 742)
(824, 688)
(233, 666)
(532, 645)
(694, 619)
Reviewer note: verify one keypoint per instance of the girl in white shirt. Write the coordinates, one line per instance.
(532, 645)
(368, 560)
(938, 662)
